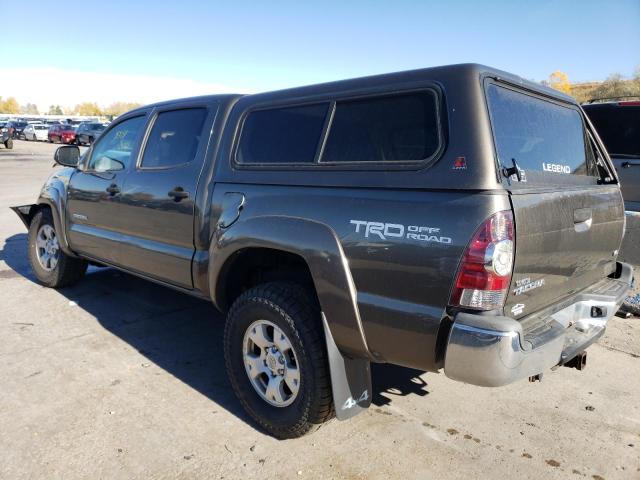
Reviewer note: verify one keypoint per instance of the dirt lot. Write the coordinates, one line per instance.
(119, 378)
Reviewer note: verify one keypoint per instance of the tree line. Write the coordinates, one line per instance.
(11, 105)
(615, 86)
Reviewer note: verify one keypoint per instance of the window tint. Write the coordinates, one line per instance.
(113, 150)
(174, 138)
(384, 129)
(618, 126)
(541, 136)
(283, 135)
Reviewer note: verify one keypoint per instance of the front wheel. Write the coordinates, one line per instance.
(51, 266)
(276, 359)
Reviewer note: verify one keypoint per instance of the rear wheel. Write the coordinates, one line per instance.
(51, 266)
(276, 359)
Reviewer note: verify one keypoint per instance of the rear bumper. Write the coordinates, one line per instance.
(491, 351)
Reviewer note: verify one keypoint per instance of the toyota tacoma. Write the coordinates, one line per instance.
(456, 218)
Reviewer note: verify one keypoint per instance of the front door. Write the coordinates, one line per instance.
(158, 198)
(93, 200)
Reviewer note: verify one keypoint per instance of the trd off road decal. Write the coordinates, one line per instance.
(386, 231)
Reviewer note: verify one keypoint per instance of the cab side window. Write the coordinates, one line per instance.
(114, 149)
(174, 138)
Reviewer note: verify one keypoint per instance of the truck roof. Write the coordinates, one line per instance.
(207, 98)
(461, 70)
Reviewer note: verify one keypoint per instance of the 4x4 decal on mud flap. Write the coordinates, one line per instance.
(351, 402)
(395, 230)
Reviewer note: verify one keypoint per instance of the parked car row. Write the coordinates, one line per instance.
(83, 134)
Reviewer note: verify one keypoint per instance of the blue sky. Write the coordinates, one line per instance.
(255, 46)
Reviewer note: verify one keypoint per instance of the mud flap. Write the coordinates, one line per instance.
(350, 379)
(24, 212)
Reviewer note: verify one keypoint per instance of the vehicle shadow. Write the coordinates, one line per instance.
(179, 333)
(391, 381)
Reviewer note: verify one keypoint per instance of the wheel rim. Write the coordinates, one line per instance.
(47, 247)
(271, 363)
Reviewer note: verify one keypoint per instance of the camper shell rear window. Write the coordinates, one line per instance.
(547, 140)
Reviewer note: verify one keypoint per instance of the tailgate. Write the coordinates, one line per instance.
(565, 242)
(569, 215)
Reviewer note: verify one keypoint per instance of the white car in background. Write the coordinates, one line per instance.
(36, 131)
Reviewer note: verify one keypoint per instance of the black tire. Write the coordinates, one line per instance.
(9, 144)
(293, 310)
(632, 305)
(68, 269)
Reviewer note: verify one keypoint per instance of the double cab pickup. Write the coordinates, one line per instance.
(456, 218)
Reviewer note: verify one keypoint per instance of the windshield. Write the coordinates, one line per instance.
(546, 139)
(618, 127)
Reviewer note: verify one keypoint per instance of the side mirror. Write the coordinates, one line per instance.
(67, 156)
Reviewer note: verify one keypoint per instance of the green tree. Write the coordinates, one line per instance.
(55, 110)
(10, 105)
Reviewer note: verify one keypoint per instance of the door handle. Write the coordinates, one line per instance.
(629, 164)
(113, 189)
(178, 194)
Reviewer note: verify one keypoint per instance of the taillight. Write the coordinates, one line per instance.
(484, 275)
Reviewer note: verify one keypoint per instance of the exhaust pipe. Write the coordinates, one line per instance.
(579, 362)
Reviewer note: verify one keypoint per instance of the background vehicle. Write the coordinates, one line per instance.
(5, 139)
(88, 132)
(62, 133)
(618, 124)
(16, 128)
(36, 131)
(402, 218)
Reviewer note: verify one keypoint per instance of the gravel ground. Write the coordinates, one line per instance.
(120, 378)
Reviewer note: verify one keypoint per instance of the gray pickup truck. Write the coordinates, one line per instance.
(618, 124)
(456, 218)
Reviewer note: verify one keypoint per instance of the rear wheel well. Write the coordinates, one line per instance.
(254, 266)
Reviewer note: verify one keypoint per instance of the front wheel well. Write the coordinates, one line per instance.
(27, 212)
(254, 266)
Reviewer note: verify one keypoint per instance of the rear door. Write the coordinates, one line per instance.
(568, 217)
(158, 198)
(618, 125)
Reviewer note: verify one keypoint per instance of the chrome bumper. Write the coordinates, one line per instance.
(491, 351)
